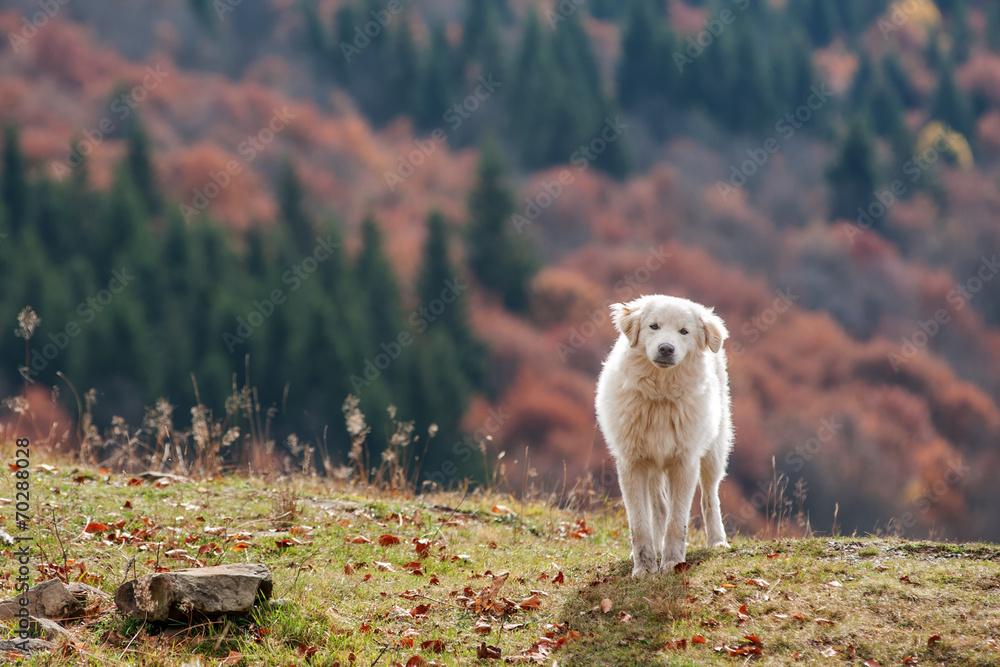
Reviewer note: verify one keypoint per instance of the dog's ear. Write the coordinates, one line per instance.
(714, 330)
(626, 319)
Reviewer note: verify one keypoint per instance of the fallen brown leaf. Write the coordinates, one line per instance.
(533, 602)
(606, 605)
(436, 645)
(484, 652)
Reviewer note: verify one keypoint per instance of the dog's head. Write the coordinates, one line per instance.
(668, 329)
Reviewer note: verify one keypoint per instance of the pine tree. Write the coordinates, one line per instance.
(14, 186)
(537, 98)
(641, 59)
(315, 32)
(500, 260)
(291, 201)
(960, 33)
(950, 104)
(139, 162)
(438, 81)
(481, 40)
(821, 18)
(126, 224)
(897, 77)
(437, 274)
(853, 176)
(346, 58)
(377, 278)
(749, 101)
(206, 15)
(404, 69)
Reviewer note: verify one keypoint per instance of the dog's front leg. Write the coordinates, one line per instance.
(681, 482)
(634, 481)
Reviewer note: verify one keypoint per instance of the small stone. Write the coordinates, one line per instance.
(49, 599)
(195, 593)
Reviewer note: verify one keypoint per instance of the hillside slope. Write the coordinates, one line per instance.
(376, 578)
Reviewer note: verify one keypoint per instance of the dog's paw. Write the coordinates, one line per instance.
(720, 544)
(643, 562)
(669, 566)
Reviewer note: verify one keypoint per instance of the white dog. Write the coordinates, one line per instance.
(663, 406)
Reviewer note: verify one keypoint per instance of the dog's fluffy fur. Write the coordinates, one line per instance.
(663, 406)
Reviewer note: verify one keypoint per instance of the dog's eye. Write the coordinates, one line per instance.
(654, 327)
(684, 332)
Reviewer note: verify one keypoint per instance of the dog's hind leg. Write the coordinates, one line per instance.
(634, 481)
(712, 472)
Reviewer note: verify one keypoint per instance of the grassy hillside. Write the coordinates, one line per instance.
(385, 579)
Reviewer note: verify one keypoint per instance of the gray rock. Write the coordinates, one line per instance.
(84, 592)
(49, 599)
(26, 646)
(48, 629)
(195, 593)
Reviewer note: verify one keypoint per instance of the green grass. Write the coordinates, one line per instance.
(953, 590)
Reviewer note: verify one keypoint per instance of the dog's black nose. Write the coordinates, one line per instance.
(666, 350)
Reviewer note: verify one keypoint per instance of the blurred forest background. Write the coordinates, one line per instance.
(431, 204)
